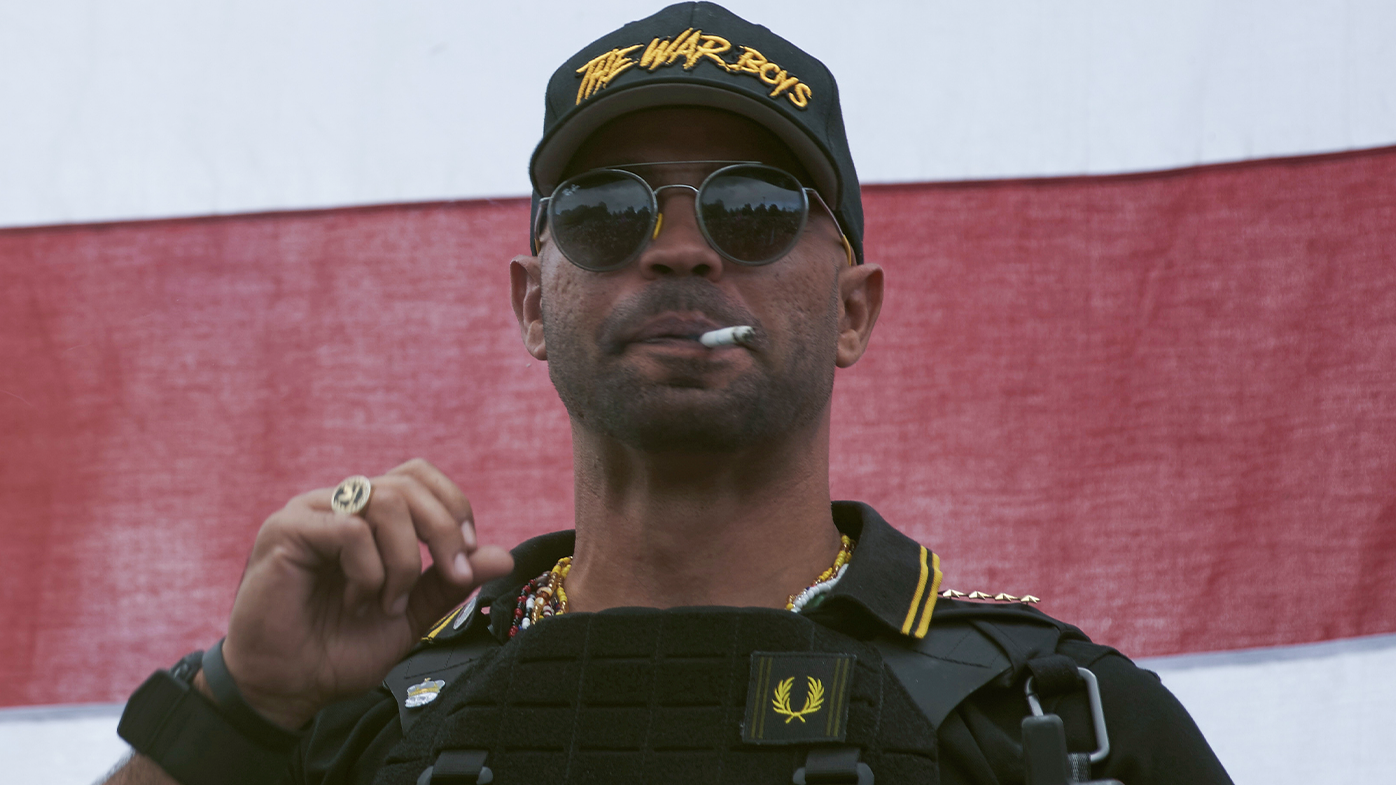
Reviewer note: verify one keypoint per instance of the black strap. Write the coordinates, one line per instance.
(1053, 675)
(942, 670)
(241, 716)
(188, 667)
(833, 766)
(1080, 765)
(458, 767)
(443, 662)
(182, 731)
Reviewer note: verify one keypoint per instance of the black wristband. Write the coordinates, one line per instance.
(194, 741)
(236, 711)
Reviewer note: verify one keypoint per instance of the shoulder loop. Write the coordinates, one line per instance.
(960, 655)
(1055, 674)
(1021, 639)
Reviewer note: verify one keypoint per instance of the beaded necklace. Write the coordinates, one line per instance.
(543, 597)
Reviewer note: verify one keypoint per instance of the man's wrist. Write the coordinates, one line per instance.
(290, 719)
(200, 684)
(272, 725)
(284, 715)
(290, 715)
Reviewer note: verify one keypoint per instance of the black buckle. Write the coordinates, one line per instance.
(833, 766)
(1097, 712)
(458, 767)
(1045, 755)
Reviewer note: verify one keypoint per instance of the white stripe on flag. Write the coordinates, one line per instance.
(60, 745)
(1294, 715)
(167, 108)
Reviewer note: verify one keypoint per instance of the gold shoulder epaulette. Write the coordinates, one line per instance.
(1027, 599)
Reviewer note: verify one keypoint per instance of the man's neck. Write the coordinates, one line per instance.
(663, 531)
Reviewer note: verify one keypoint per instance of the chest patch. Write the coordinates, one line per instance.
(797, 697)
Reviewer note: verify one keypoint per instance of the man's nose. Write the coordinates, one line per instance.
(678, 246)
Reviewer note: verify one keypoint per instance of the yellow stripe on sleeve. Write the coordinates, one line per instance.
(931, 600)
(916, 598)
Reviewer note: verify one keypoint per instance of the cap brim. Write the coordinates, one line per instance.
(554, 152)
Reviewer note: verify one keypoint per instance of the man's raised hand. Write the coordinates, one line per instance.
(330, 602)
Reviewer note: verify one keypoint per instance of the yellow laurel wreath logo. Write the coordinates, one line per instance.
(814, 699)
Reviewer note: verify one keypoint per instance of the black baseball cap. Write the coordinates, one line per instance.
(701, 54)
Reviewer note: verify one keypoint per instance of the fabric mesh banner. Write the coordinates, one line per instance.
(1166, 403)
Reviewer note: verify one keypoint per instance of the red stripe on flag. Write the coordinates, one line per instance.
(1162, 403)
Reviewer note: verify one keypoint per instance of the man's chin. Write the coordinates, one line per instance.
(674, 412)
(684, 420)
(679, 369)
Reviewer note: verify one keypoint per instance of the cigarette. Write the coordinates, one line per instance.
(728, 336)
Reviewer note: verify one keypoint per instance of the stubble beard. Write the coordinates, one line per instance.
(680, 415)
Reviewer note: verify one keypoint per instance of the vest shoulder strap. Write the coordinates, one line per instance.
(965, 649)
(443, 655)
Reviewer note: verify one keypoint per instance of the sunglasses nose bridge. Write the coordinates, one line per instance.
(660, 202)
(678, 244)
(685, 186)
(658, 192)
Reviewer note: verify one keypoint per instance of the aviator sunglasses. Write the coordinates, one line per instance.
(750, 213)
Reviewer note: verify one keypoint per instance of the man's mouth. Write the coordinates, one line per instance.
(673, 329)
(670, 339)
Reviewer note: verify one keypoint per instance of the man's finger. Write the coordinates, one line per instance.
(436, 527)
(447, 492)
(434, 595)
(347, 541)
(390, 516)
(360, 561)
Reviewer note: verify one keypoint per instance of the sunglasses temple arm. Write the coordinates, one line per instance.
(847, 246)
(538, 225)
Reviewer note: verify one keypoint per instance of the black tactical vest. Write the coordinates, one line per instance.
(696, 695)
(690, 695)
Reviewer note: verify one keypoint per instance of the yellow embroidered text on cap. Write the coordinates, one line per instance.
(599, 72)
(691, 47)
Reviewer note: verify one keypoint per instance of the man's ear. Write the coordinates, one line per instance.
(526, 292)
(860, 301)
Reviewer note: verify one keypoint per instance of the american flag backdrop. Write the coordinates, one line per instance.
(1138, 356)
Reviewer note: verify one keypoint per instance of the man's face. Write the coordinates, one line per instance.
(620, 345)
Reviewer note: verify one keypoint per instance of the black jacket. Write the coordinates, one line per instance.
(935, 692)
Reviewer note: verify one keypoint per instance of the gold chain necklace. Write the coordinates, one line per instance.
(544, 596)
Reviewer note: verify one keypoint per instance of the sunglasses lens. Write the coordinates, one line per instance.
(753, 214)
(600, 219)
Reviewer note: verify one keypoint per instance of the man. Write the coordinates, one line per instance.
(697, 278)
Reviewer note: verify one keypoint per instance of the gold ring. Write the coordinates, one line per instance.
(351, 496)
